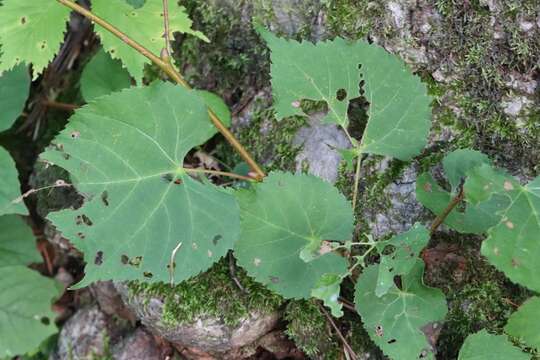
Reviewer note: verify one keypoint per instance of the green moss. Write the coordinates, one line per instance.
(213, 293)
(352, 19)
(309, 330)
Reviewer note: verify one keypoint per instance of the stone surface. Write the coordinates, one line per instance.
(207, 334)
(139, 345)
(318, 143)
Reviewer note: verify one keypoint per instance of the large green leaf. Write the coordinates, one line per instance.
(288, 217)
(405, 250)
(524, 324)
(396, 321)
(125, 153)
(31, 33)
(513, 245)
(331, 71)
(476, 218)
(102, 76)
(17, 242)
(484, 346)
(26, 318)
(144, 25)
(10, 195)
(14, 88)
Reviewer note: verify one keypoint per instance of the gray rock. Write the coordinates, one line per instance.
(207, 333)
(319, 143)
(138, 345)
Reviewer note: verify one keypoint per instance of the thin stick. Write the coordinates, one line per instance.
(167, 31)
(60, 106)
(174, 75)
(221, 173)
(453, 203)
(339, 334)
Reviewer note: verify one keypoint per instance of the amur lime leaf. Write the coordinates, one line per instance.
(17, 242)
(405, 250)
(144, 24)
(26, 317)
(485, 346)
(102, 76)
(10, 195)
(513, 244)
(31, 33)
(14, 89)
(524, 324)
(476, 218)
(327, 289)
(398, 321)
(280, 218)
(399, 110)
(144, 216)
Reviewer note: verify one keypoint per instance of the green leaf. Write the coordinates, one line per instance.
(26, 318)
(14, 89)
(513, 245)
(327, 289)
(125, 153)
(217, 105)
(524, 325)
(102, 76)
(406, 248)
(399, 111)
(396, 321)
(280, 218)
(31, 33)
(476, 218)
(17, 242)
(10, 196)
(144, 25)
(485, 346)
(459, 162)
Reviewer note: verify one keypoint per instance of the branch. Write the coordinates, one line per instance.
(173, 74)
(339, 334)
(221, 173)
(453, 203)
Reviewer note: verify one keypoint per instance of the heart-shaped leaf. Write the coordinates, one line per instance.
(283, 216)
(396, 321)
(145, 217)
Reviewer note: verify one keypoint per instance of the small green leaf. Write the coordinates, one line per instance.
(476, 219)
(17, 242)
(26, 317)
(10, 195)
(125, 153)
(396, 321)
(144, 25)
(217, 105)
(399, 111)
(14, 89)
(485, 346)
(31, 33)
(401, 260)
(102, 76)
(327, 289)
(513, 244)
(524, 324)
(459, 162)
(281, 217)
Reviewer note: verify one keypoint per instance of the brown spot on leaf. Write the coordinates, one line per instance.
(274, 279)
(209, 254)
(509, 224)
(105, 198)
(98, 260)
(515, 263)
(379, 331)
(325, 248)
(216, 239)
(148, 275)
(257, 262)
(23, 20)
(81, 235)
(295, 104)
(75, 134)
(508, 186)
(136, 261)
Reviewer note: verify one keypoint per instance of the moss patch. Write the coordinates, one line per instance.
(213, 293)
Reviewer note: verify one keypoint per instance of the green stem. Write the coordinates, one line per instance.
(356, 181)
